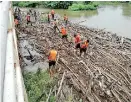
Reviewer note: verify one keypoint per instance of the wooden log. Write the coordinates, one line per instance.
(59, 89)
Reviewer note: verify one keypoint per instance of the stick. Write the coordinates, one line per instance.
(61, 84)
(47, 100)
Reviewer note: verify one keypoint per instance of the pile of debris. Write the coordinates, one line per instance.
(103, 75)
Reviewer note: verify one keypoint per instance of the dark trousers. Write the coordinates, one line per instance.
(83, 50)
(52, 16)
(29, 22)
(55, 27)
(65, 22)
(48, 20)
(52, 63)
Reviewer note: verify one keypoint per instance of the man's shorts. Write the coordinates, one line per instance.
(52, 63)
(77, 45)
(83, 50)
(28, 21)
(64, 36)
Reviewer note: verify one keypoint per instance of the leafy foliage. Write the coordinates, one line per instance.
(90, 6)
(26, 3)
(49, 4)
(37, 84)
(58, 4)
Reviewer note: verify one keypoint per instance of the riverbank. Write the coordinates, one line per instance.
(107, 61)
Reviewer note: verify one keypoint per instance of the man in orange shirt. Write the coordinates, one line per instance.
(77, 40)
(83, 47)
(64, 33)
(65, 19)
(52, 61)
(52, 13)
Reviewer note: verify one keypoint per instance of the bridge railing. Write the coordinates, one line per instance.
(4, 9)
(11, 80)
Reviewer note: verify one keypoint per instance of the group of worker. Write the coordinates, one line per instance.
(79, 44)
(53, 53)
(17, 17)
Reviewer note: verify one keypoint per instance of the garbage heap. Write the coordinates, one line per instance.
(103, 75)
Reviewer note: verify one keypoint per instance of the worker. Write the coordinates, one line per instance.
(19, 11)
(49, 16)
(52, 14)
(35, 15)
(52, 61)
(77, 40)
(83, 47)
(16, 22)
(64, 32)
(65, 19)
(28, 19)
(30, 11)
(55, 23)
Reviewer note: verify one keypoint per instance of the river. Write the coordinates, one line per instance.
(114, 18)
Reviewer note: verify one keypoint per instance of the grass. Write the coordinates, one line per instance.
(37, 84)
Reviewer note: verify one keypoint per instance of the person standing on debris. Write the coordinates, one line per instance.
(28, 19)
(19, 11)
(35, 15)
(65, 19)
(64, 33)
(49, 16)
(52, 14)
(16, 22)
(52, 61)
(83, 47)
(77, 40)
(30, 11)
(55, 23)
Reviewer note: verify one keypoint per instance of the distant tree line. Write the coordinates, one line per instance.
(71, 5)
(46, 4)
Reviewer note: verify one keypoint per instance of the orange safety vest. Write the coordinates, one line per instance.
(52, 12)
(77, 39)
(84, 45)
(16, 22)
(52, 55)
(65, 18)
(63, 31)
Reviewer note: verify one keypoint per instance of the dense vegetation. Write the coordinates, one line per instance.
(71, 5)
(46, 4)
(38, 86)
(83, 6)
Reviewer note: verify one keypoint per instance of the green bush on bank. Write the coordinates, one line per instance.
(76, 7)
(26, 3)
(37, 84)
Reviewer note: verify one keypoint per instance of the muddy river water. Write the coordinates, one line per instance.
(114, 18)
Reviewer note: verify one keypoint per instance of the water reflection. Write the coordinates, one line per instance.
(126, 11)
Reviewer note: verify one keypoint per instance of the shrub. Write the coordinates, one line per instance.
(76, 7)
